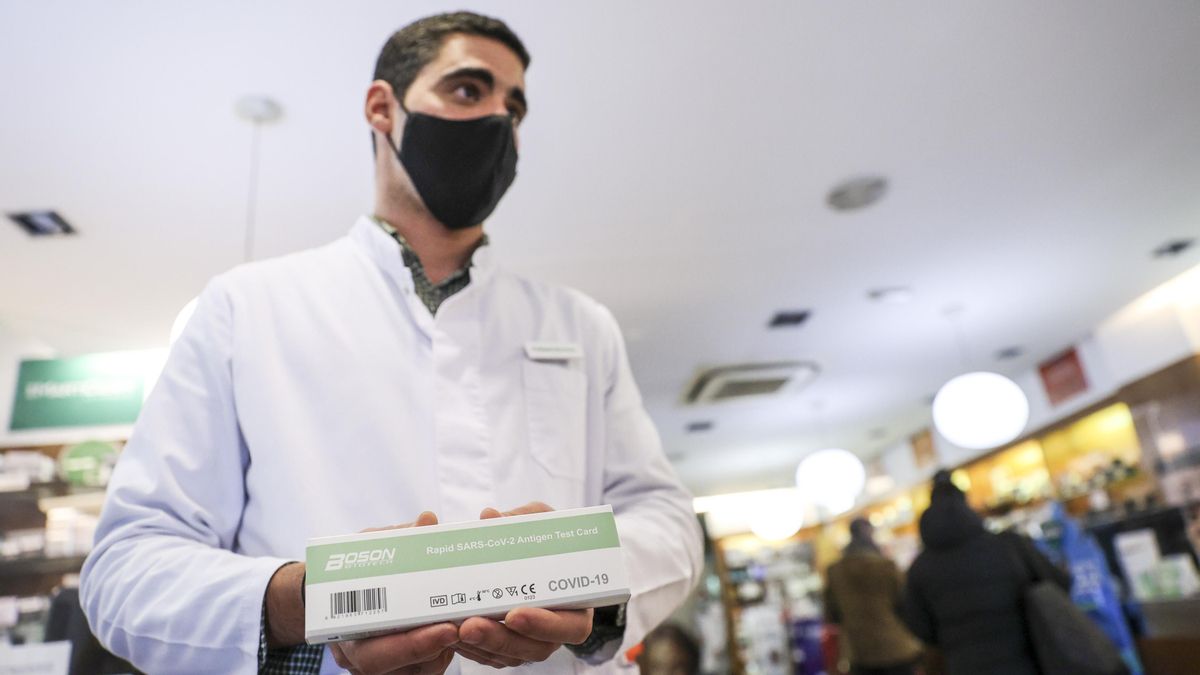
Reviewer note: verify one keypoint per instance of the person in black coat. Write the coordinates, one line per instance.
(963, 593)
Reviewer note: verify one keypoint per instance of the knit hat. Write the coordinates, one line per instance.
(943, 487)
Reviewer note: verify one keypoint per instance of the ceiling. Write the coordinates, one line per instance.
(674, 166)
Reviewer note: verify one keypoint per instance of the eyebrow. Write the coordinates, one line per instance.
(485, 75)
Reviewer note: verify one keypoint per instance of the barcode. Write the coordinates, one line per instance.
(357, 602)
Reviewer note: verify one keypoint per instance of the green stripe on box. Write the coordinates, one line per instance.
(458, 548)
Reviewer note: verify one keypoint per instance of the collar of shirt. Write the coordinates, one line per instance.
(431, 295)
(380, 248)
(413, 262)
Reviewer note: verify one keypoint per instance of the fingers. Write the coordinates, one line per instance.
(531, 507)
(426, 518)
(490, 660)
(435, 666)
(386, 653)
(525, 509)
(496, 641)
(338, 657)
(564, 626)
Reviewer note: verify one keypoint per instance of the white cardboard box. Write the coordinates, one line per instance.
(378, 582)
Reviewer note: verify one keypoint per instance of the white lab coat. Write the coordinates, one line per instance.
(315, 395)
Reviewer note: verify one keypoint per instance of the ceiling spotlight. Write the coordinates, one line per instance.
(1009, 353)
(893, 295)
(789, 318)
(857, 193)
(1173, 248)
(42, 223)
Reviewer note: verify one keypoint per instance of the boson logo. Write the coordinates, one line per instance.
(379, 556)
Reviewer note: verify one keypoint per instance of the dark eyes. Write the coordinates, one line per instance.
(468, 93)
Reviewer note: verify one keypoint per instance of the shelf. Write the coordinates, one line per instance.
(24, 567)
(55, 495)
(39, 491)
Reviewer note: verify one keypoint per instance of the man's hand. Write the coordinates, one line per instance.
(416, 652)
(528, 633)
(419, 651)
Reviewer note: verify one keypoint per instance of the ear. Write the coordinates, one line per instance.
(381, 107)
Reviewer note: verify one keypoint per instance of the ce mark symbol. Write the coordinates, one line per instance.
(528, 589)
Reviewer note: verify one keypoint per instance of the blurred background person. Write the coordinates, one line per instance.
(862, 593)
(669, 650)
(964, 589)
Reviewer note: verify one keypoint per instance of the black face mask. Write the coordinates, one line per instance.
(461, 168)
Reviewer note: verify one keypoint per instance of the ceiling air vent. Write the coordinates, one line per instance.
(751, 380)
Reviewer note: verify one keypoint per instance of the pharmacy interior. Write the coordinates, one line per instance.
(1109, 480)
(1108, 484)
(849, 248)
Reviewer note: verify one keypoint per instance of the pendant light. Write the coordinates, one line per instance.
(258, 111)
(776, 514)
(830, 479)
(979, 410)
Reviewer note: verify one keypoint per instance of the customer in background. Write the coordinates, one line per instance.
(669, 650)
(964, 589)
(862, 593)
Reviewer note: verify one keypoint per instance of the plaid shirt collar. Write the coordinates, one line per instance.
(432, 295)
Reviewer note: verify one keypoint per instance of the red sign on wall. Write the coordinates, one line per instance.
(1063, 377)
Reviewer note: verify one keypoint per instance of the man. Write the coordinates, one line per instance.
(862, 593)
(394, 374)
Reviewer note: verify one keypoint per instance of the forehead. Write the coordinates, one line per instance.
(474, 51)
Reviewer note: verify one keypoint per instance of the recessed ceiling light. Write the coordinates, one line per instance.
(857, 193)
(893, 295)
(1009, 353)
(879, 433)
(699, 426)
(1173, 248)
(789, 318)
(42, 223)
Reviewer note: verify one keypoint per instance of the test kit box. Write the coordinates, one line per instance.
(372, 583)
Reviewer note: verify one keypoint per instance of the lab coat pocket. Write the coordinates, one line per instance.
(556, 405)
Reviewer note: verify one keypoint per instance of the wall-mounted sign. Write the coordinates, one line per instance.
(924, 453)
(94, 390)
(1063, 377)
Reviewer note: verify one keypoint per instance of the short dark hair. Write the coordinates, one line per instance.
(861, 528)
(671, 632)
(411, 48)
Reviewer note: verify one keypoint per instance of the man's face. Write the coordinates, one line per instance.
(471, 77)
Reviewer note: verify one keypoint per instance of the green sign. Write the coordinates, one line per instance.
(94, 390)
